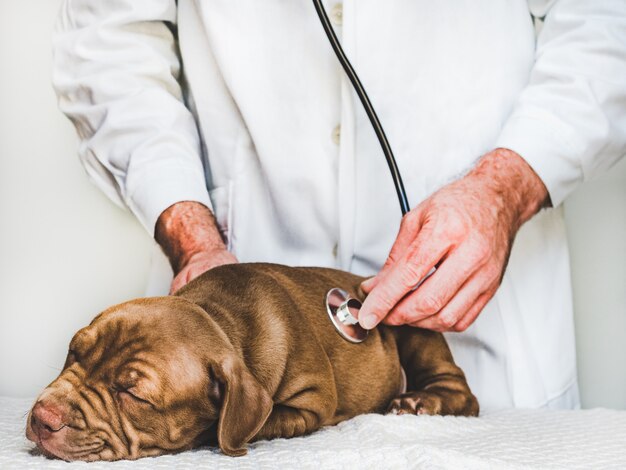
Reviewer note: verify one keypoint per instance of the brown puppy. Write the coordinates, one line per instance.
(245, 352)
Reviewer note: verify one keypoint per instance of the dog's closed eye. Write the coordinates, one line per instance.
(130, 396)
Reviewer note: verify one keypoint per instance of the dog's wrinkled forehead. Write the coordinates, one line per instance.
(142, 341)
(141, 320)
(114, 330)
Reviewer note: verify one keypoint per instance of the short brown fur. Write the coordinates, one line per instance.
(245, 352)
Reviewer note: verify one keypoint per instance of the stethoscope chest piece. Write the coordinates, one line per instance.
(343, 312)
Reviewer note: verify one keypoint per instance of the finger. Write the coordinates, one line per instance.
(195, 271)
(184, 277)
(458, 306)
(439, 289)
(177, 283)
(418, 259)
(405, 313)
(471, 315)
(409, 227)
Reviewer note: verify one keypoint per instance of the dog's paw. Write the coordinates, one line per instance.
(416, 403)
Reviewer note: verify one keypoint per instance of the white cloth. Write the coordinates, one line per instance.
(293, 170)
(512, 439)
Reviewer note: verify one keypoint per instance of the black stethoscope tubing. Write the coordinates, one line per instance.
(367, 105)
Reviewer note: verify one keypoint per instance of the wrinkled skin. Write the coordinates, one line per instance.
(117, 405)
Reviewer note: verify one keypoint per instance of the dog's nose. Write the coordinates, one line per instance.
(46, 419)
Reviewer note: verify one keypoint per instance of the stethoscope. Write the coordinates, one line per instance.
(341, 308)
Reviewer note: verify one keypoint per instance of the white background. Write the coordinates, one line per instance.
(67, 253)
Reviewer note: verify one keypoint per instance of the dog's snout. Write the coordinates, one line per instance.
(47, 427)
(46, 419)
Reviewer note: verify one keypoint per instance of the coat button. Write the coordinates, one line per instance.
(336, 14)
(336, 135)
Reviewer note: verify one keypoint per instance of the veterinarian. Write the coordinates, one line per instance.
(259, 151)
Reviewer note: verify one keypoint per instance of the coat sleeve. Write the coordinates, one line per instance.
(569, 123)
(116, 71)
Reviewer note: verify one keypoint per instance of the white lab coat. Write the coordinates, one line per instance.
(294, 174)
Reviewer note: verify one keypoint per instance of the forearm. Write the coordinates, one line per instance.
(185, 229)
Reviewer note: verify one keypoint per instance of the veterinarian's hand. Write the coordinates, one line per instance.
(201, 263)
(466, 229)
(188, 234)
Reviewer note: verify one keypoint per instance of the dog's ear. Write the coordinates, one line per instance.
(246, 405)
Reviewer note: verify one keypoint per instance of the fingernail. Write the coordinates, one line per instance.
(368, 321)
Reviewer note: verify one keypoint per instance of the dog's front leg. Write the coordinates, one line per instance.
(285, 421)
(435, 385)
